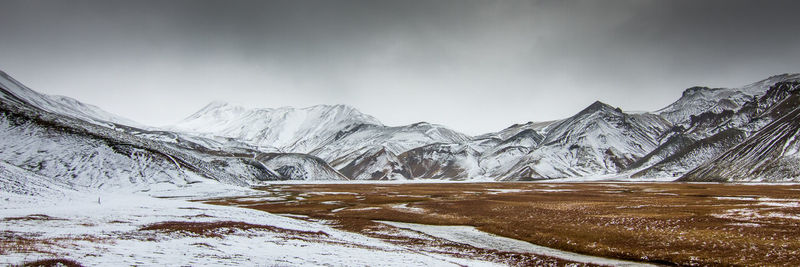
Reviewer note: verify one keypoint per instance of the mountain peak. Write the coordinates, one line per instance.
(694, 90)
(598, 103)
(221, 108)
(284, 127)
(218, 104)
(217, 108)
(337, 108)
(599, 106)
(760, 87)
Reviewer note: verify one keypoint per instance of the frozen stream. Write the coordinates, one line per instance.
(476, 238)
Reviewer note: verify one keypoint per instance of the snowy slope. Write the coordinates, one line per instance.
(295, 166)
(78, 158)
(538, 127)
(674, 161)
(356, 141)
(697, 100)
(480, 157)
(17, 92)
(715, 133)
(296, 130)
(452, 161)
(528, 139)
(771, 154)
(598, 140)
(517, 141)
(499, 162)
(377, 164)
(17, 181)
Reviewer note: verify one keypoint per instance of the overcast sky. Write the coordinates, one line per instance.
(474, 66)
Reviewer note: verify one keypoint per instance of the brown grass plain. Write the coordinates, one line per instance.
(663, 223)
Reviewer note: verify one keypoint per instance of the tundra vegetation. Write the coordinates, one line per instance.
(665, 223)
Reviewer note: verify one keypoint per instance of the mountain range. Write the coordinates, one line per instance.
(743, 134)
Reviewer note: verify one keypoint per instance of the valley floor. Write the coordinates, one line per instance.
(660, 223)
(410, 225)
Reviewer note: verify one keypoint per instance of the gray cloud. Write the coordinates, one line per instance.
(476, 66)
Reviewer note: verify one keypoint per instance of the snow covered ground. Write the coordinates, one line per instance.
(109, 229)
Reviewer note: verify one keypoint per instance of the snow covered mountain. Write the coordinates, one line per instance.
(289, 129)
(340, 135)
(82, 154)
(82, 150)
(698, 100)
(322, 130)
(355, 141)
(14, 91)
(452, 161)
(79, 145)
(710, 134)
(771, 154)
(599, 140)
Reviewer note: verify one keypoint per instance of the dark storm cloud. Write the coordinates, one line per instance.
(716, 31)
(402, 61)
